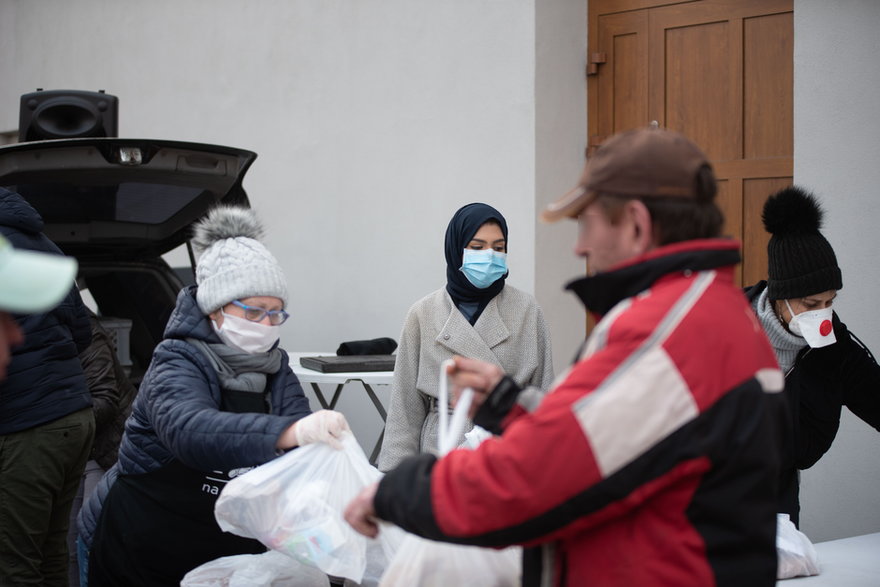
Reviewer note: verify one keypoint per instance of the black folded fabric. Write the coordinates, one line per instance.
(377, 346)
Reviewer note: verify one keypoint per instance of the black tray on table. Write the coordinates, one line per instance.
(348, 363)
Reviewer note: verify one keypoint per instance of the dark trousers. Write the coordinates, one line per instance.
(40, 471)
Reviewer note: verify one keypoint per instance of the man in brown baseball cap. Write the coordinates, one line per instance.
(652, 186)
(653, 460)
(639, 163)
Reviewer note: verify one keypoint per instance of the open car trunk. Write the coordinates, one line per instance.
(117, 205)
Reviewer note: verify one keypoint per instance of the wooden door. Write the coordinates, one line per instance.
(718, 71)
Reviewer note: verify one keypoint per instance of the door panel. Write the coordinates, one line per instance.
(755, 238)
(720, 72)
(729, 204)
(692, 83)
(624, 39)
(768, 124)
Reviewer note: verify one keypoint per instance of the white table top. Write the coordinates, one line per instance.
(311, 376)
(848, 562)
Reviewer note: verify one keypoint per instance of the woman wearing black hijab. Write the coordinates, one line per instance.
(475, 315)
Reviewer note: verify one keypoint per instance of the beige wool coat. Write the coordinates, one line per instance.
(510, 332)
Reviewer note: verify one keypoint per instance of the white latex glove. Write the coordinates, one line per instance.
(322, 426)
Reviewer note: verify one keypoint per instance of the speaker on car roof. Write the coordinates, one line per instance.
(67, 114)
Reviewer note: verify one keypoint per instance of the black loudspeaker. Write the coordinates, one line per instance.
(67, 114)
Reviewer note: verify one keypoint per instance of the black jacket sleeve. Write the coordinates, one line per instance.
(98, 366)
(862, 393)
(78, 320)
(501, 399)
(842, 374)
(411, 478)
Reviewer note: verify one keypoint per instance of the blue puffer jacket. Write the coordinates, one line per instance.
(45, 379)
(176, 414)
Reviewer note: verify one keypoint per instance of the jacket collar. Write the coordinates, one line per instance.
(460, 337)
(187, 320)
(601, 292)
(753, 291)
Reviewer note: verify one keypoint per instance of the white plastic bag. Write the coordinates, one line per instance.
(294, 505)
(796, 556)
(380, 551)
(440, 564)
(427, 563)
(270, 569)
(475, 437)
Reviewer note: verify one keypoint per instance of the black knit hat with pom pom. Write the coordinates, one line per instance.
(800, 261)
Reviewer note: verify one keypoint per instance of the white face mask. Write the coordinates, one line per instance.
(814, 326)
(246, 336)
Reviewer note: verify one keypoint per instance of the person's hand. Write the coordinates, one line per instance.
(480, 376)
(324, 426)
(361, 514)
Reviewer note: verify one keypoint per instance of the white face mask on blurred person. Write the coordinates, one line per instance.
(814, 326)
(246, 336)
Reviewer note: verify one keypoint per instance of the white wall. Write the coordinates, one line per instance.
(373, 121)
(560, 102)
(837, 83)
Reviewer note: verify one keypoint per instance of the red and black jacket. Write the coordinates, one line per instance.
(653, 461)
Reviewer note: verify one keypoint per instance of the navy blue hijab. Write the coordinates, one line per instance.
(462, 228)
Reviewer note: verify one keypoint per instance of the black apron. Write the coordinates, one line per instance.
(156, 527)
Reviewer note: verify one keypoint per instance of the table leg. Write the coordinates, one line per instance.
(336, 396)
(321, 400)
(379, 407)
(374, 456)
(318, 394)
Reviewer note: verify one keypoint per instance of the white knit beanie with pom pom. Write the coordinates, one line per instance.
(234, 264)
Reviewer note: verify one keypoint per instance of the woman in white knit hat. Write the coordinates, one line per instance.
(218, 398)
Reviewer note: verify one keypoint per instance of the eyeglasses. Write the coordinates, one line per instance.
(254, 314)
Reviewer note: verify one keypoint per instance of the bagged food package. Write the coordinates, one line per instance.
(428, 563)
(294, 505)
(270, 569)
(439, 564)
(796, 556)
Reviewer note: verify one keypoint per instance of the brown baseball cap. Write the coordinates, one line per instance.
(643, 162)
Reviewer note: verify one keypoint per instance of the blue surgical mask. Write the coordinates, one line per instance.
(484, 267)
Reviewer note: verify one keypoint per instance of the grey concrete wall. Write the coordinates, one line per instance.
(373, 121)
(561, 117)
(837, 150)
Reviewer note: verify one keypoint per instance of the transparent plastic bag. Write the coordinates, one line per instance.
(795, 554)
(428, 563)
(380, 551)
(294, 505)
(270, 569)
(475, 437)
(440, 564)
